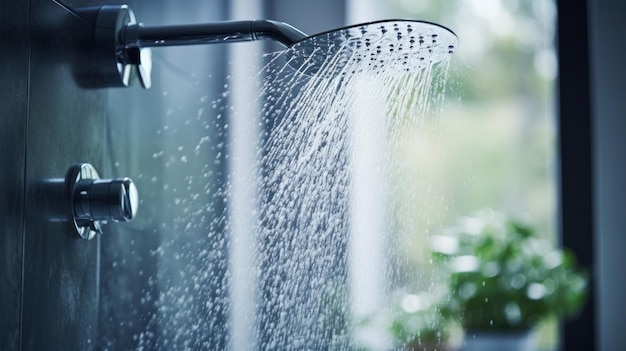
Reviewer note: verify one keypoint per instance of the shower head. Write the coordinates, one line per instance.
(122, 43)
(388, 44)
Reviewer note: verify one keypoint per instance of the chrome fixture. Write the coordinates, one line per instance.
(94, 201)
(122, 45)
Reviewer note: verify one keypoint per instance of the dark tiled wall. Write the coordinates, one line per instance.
(49, 277)
(14, 65)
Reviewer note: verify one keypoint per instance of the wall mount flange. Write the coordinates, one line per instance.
(113, 59)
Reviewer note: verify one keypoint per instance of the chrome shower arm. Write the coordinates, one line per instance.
(282, 32)
(210, 33)
(122, 45)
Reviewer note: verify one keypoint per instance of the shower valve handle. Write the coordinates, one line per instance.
(95, 201)
(105, 199)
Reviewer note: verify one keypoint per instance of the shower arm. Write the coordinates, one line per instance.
(211, 33)
(122, 45)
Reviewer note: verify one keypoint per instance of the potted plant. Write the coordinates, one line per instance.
(504, 279)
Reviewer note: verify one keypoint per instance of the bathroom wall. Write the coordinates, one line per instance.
(14, 54)
(49, 286)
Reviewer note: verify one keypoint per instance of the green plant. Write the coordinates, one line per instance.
(504, 276)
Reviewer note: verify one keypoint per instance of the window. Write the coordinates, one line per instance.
(491, 143)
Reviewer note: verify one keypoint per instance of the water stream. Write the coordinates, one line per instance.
(308, 177)
(329, 129)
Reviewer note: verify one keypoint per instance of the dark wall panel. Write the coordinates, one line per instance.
(65, 126)
(14, 56)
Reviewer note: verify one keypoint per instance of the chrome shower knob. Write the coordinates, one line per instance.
(95, 201)
(105, 199)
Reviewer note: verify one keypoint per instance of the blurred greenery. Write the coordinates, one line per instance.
(504, 276)
(492, 143)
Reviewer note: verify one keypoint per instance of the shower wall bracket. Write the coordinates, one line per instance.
(115, 58)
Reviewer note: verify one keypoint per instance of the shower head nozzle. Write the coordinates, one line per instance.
(389, 44)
